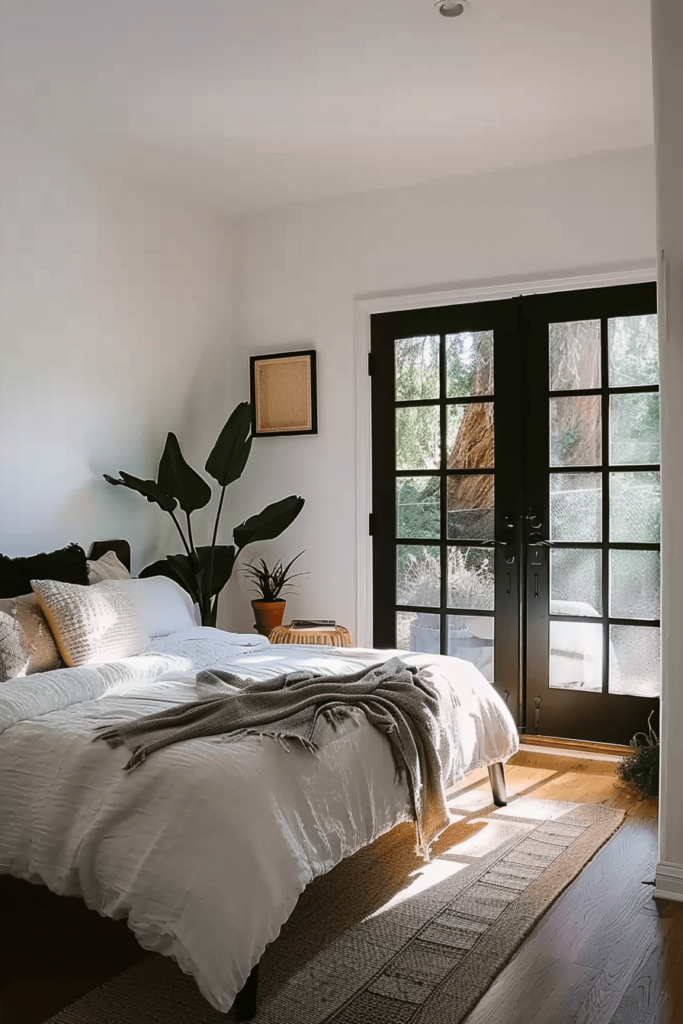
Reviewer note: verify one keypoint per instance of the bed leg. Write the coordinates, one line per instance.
(244, 1006)
(497, 779)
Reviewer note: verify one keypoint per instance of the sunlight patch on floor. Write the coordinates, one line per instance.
(580, 787)
(492, 835)
(426, 876)
(531, 807)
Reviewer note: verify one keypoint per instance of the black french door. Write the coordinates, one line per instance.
(516, 500)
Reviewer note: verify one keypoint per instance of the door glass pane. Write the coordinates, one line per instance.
(576, 656)
(635, 660)
(470, 578)
(470, 637)
(633, 351)
(575, 431)
(418, 575)
(470, 436)
(634, 584)
(635, 508)
(575, 582)
(634, 429)
(470, 507)
(418, 507)
(418, 631)
(418, 437)
(576, 506)
(417, 368)
(574, 355)
(469, 364)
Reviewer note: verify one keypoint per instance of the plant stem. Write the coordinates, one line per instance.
(189, 533)
(213, 539)
(182, 535)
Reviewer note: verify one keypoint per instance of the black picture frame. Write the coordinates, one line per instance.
(257, 421)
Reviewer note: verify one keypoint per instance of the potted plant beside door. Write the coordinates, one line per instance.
(270, 584)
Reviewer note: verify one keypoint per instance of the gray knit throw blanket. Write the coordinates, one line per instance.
(396, 698)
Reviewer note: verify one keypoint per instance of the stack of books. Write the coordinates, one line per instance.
(309, 624)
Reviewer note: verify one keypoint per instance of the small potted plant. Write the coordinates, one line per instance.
(270, 584)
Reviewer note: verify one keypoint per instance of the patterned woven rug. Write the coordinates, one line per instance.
(387, 939)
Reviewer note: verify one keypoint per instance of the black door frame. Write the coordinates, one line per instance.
(559, 714)
(521, 445)
(501, 316)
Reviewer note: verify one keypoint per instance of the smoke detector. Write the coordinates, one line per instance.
(451, 8)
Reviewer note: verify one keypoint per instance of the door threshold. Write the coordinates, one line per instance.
(615, 750)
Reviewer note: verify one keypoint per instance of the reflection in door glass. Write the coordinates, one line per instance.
(418, 631)
(469, 364)
(470, 507)
(633, 351)
(470, 578)
(634, 429)
(418, 507)
(634, 584)
(418, 437)
(418, 575)
(470, 436)
(575, 431)
(635, 661)
(417, 368)
(635, 508)
(576, 656)
(575, 581)
(576, 506)
(574, 355)
(470, 637)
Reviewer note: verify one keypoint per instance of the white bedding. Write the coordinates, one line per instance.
(207, 846)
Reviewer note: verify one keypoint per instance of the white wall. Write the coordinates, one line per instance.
(667, 48)
(116, 309)
(303, 266)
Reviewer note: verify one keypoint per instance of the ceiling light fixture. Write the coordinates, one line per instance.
(451, 8)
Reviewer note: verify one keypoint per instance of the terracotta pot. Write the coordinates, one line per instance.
(268, 615)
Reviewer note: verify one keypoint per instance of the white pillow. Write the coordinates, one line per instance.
(108, 567)
(163, 606)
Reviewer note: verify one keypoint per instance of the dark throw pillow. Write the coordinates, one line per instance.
(67, 565)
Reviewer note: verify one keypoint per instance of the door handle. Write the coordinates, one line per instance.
(540, 543)
(500, 543)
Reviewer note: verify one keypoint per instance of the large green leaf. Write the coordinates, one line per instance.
(149, 488)
(270, 523)
(177, 568)
(212, 578)
(178, 478)
(231, 451)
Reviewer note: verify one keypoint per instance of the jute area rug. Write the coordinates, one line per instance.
(386, 938)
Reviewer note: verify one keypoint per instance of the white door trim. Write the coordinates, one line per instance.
(364, 307)
(669, 881)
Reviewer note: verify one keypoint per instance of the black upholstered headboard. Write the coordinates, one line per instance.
(121, 549)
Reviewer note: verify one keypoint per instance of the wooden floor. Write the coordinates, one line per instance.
(605, 953)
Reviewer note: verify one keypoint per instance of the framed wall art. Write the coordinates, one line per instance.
(284, 397)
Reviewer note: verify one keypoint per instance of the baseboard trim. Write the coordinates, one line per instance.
(669, 881)
(612, 749)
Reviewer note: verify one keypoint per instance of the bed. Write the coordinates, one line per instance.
(207, 847)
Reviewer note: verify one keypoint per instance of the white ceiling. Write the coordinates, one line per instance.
(254, 104)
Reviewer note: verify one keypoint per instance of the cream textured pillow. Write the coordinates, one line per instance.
(108, 567)
(40, 650)
(91, 624)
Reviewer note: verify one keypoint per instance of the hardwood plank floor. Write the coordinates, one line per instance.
(605, 953)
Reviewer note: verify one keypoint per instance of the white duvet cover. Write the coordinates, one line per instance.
(206, 847)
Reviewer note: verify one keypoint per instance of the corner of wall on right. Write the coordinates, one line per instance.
(667, 46)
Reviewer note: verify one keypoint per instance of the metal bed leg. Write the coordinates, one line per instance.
(497, 779)
(244, 1006)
